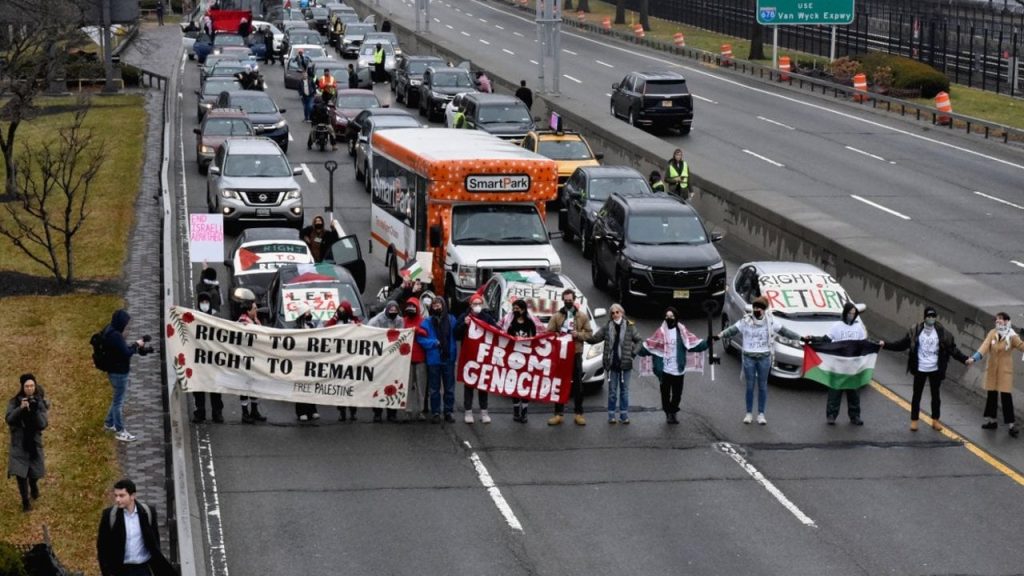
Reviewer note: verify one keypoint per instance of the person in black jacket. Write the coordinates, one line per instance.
(520, 325)
(128, 539)
(268, 45)
(208, 301)
(118, 354)
(26, 416)
(930, 346)
(525, 94)
(476, 310)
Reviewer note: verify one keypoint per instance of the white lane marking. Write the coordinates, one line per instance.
(1000, 200)
(1017, 262)
(608, 94)
(773, 95)
(517, 34)
(290, 139)
(436, 20)
(868, 154)
(768, 160)
(576, 80)
(507, 51)
(457, 9)
(880, 207)
(499, 27)
(604, 64)
(569, 52)
(708, 100)
(468, 14)
(488, 482)
(181, 154)
(450, 27)
(309, 175)
(482, 20)
(218, 556)
(770, 121)
(533, 61)
(482, 41)
(730, 451)
(464, 33)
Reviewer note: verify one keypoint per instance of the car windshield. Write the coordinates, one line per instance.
(665, 87)
(661, 229)
(358, 29)
(452, 80)
(390, 122)
(228, 40)
(601, 188)
(214, 87)
(312, 52)
(416, 67)
(256, 165)
(227, 69)
(496, 114)
(369, 49)
(227, 127)
(292, 14)
(319, 13)
(255, 104)
(304, 37)
(357, 101)
(497, 224)
(564, 149)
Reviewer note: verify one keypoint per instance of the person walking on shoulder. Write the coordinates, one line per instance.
(26, 417)
(621, 341)
(678, 175)
(998, 346)
(930, 346)
(669, 346)
(758, 330)
(476, 310)
(849, 327)
(118, 355)
(128, 540)
(572, 319)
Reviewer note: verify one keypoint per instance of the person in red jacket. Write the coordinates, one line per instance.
(414, 407)
(344, 315)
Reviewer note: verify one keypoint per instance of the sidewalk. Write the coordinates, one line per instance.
(154, 48)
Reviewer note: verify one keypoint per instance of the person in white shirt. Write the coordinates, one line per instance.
(849, 328)
(669, 346)
(128, 543)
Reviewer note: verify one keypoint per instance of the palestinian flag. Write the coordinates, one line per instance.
(412, 270)
(843, 365)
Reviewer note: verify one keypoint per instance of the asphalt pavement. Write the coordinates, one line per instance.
(710, 496)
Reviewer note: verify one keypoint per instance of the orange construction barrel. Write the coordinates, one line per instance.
(944, 105)
(679, 40)
(860, 82)
(784, 68)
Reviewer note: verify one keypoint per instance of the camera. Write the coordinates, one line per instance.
(146, 348)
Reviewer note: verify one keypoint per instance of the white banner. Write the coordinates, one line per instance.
(206, 238)
(348, 365)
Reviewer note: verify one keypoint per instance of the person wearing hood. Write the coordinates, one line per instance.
(930, 346)
(204, 302)
(998, 346)
(849, 327)
(319, 238)
(119, 356)
(411, 289)
(757, 330)
(519, 324)
(439, 345)
(476, 310)
(26, 416)
(345, 315)
(668, 346)
(621, 341)
(572, 319)
(305, 321)
(415, 400)
(389, 318)
(250, 404)
(209, 285)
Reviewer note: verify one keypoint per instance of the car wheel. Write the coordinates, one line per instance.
(359, 175)
(351, 147)
(563, 226)
(586, 246)
(400, 96)
(684, 130)
(210, 208)
(597, 277)
(393, 277)
(611, 108)
(284, 147)
(366, 176)
(421, 109)
(632, 118)
(203, 168)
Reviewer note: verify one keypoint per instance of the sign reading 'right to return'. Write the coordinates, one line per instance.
(824, 12)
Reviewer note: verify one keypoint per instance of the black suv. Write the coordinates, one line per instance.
(502, 115)
(586, 191)
(655, 248)
(409, 75)
(440, 85)
(655, 99)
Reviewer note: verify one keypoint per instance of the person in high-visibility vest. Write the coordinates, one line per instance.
(678, 175)
(657, 184)
(328, 86)
(378, 64)
(459, 120)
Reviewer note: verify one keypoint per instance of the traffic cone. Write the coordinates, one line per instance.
(581, 16)
(726, 55)
(860, 83)
(679, 40)
(638, 32)
(606, 24)
(944, 105)
(784, 68)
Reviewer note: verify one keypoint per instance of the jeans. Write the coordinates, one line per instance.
(115, 416)
(618, 393)
(307, 107)
(755, 371)
(436, 376)
(835, 400)
(934, 382)
(992, 399)
(577, 386)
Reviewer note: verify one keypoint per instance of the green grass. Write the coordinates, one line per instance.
(981, 104)
(120, 122)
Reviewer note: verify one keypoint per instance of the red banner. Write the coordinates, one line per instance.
(536, 369)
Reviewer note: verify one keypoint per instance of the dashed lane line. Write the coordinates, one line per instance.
(865, 153)
(308, 173)
(775, 122)
(1000, 200)
(765, 158)
(703, 99)
(730, 451)
(482, 41)
(605, 64)
(576, 80)
(507, 51)
(493, 491)
(880, 207)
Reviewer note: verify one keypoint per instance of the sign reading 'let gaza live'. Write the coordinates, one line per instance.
(824, 12)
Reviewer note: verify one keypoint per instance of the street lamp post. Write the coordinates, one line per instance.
(330, 166)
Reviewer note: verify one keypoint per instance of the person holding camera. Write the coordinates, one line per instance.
(26, 417)
(118, 355)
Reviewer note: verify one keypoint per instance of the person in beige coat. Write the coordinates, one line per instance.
(999, 345)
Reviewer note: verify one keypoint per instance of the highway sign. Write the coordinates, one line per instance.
(826, 12)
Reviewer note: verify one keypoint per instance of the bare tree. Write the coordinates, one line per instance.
(756, 42)
(567, 5)
(51, 204)
(583, 5)
(645, 16)
(620, 11)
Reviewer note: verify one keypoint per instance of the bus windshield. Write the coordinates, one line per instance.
(495, 224)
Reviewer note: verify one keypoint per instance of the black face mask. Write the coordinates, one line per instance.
(344, 315)
(318, 225)
(435, 311)
(410, 313)
(392, 315)
(517, 313)
(758, 313)
(670, 322)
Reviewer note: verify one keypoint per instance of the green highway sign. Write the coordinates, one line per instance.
(826, 12)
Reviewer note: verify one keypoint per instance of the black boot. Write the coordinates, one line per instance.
(198, 416)
(255, 413)
(246, 416)
(26, 504)
(218, 417)
(517, 413)
(522, 414)
(352, 413)
(33, 485)
(342, 414)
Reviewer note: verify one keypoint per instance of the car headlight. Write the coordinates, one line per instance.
(788, 341)
(226, 193)
(595, 350)
(437, 94)
(280, 124)
(638, 266)
(556, 268)
(207, 105)
(206, 149)
(466, 276)
(717, 266)
(415, 82)
(293, 194)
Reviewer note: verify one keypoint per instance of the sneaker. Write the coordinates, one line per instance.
(990, 425)
(316, 415)
(555, 420)
(748, 418)
(856, 421)
(469, 417)
(830, 420)
(612, 420)
(303, 418)
(579, 420)
(624, 420)
(125, 436)
(913, 425)
(761, 419)
(485, 417)
(1014, 431)
(107, 428)
(435, 418)
(218, 417)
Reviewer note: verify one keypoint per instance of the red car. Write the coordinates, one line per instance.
(348, 103)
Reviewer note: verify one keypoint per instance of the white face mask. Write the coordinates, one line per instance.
(477, 309)
(426, 302)
(204, 306)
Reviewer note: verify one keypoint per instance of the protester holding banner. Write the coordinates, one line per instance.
(849, 328)
(572, 319)
(998, 346)
(250, 404)
(476, 310)
(621, 341)
(390, 318)
(758, 331)
(670, 346)
(520, 324)
(305, 321)
(439, 344)
(344, 315)
(930, 346)
(418, 382)
(205, 304)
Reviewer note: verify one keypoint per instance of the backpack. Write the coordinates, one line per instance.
(99, 350)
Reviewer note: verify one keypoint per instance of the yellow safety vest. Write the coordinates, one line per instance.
(378, 56)
(684, 177)
(459, 121)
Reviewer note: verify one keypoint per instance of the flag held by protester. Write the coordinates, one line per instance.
(844, 365)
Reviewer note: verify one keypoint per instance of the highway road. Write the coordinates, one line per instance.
(711, 496)
(956, 201)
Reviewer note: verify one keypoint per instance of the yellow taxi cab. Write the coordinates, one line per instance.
(569, 150)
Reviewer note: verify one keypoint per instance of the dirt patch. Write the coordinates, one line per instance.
(19, 284)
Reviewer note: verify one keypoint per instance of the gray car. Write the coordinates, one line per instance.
(353, 38)
(803, 298)
(365, 61)
(364, 149)
(251, 182)
(207, 97)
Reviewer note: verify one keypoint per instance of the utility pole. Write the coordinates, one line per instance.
(108, 49)
(549, 28)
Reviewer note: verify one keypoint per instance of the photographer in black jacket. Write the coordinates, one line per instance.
(118, 356)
